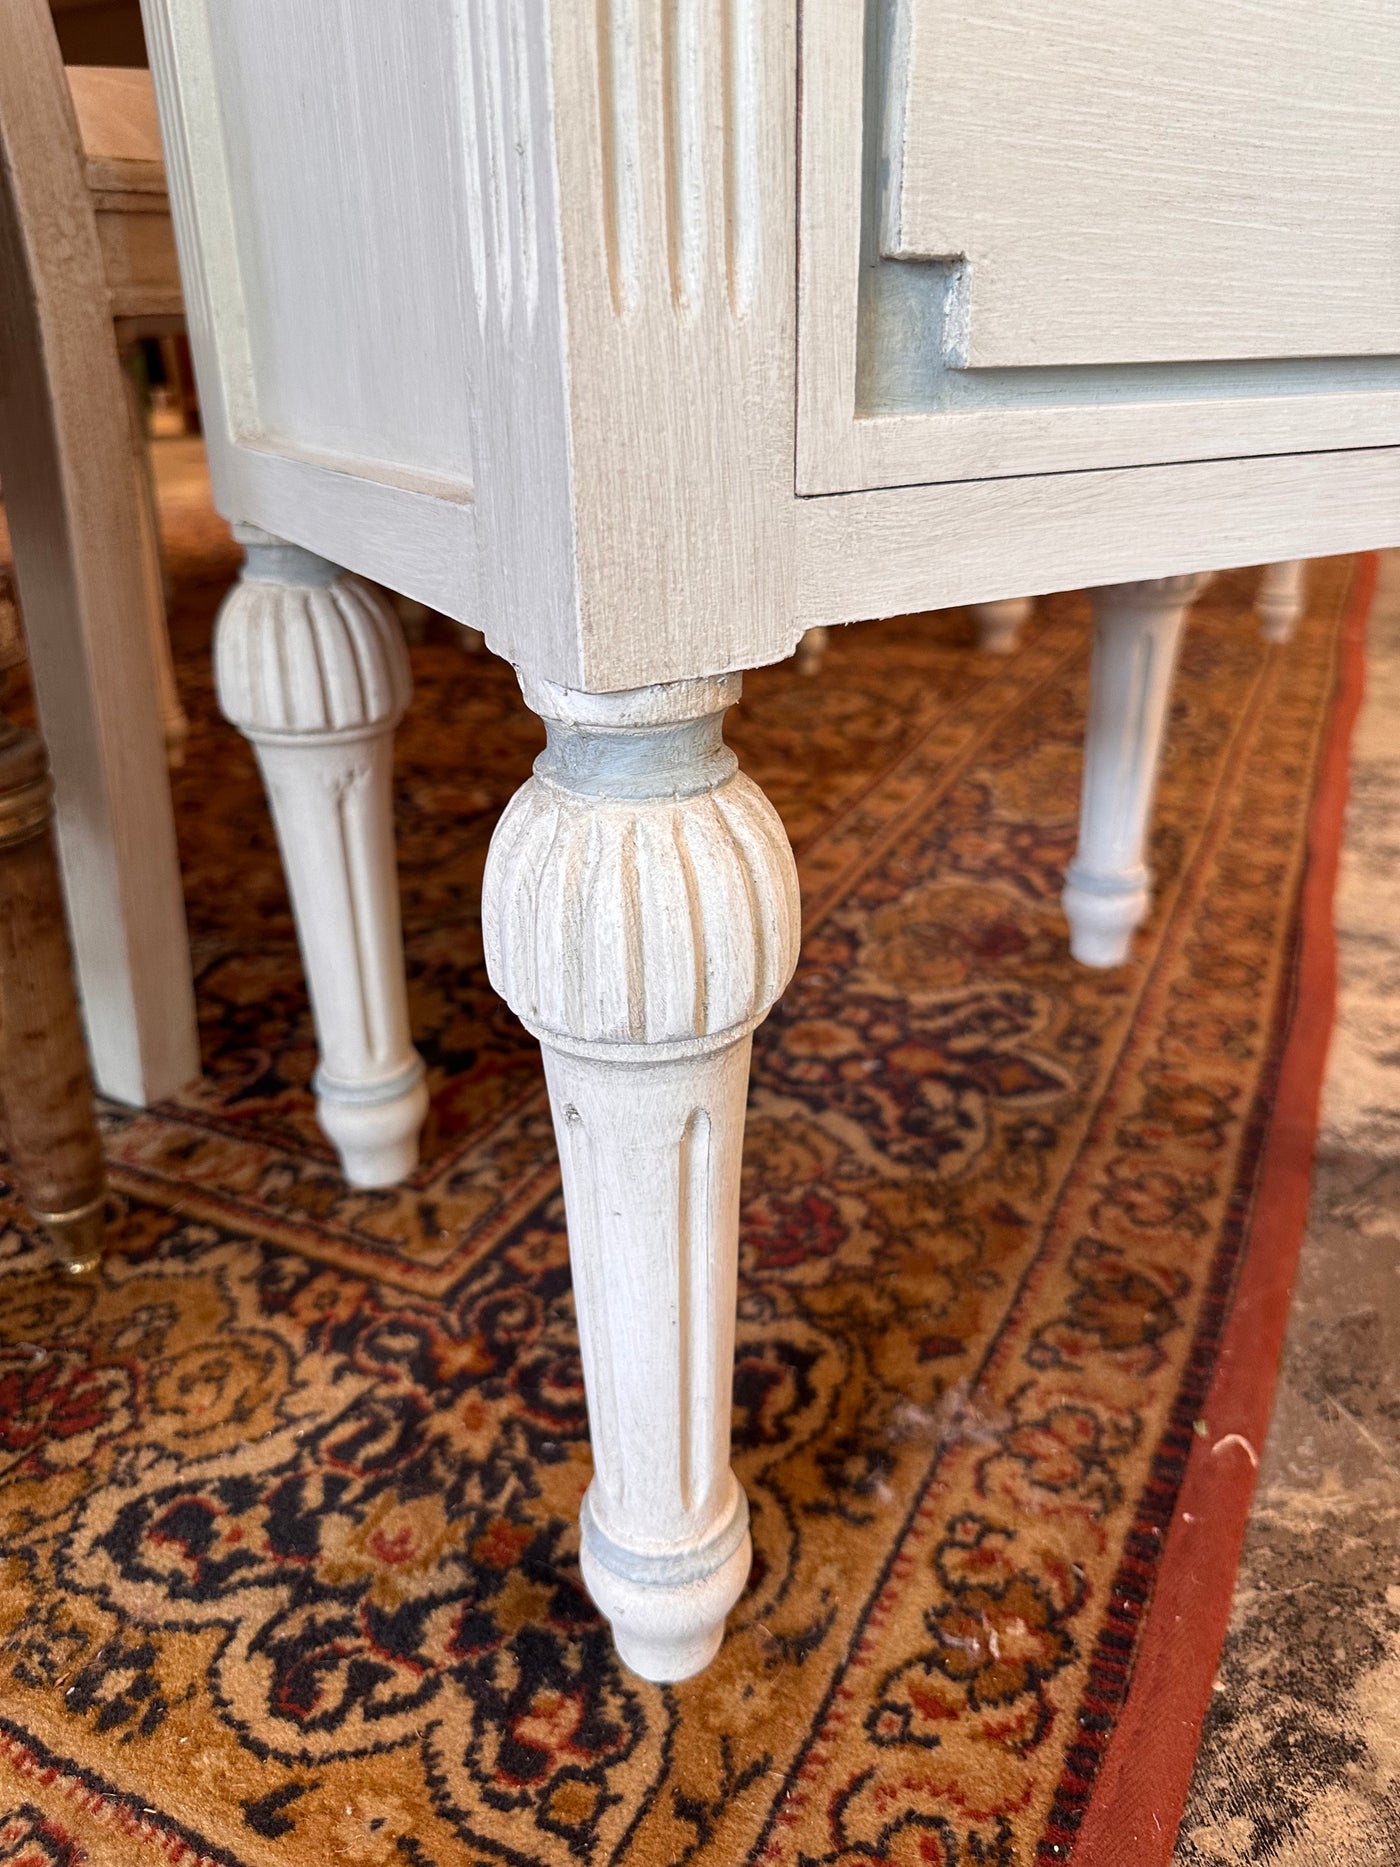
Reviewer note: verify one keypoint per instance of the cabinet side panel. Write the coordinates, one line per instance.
(363, 199)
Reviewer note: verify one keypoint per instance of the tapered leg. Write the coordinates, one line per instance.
(999, 625)
(1279, 600)
(641, 916)
(73, 503)
(1137, 630)
(45, 1083)
(311, 666)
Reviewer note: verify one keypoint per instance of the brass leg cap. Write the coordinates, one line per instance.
(78, 1234)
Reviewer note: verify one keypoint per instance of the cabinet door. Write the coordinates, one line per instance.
(1046, 235)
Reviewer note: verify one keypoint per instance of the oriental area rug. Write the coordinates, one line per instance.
(289, 1490)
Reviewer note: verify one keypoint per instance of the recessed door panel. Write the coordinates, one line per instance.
(1150, 184)
(1073, 234)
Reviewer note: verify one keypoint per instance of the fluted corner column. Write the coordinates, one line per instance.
(999, 624)
(641, 917)
(1279, 600)
(1137, 631)
(311, 667)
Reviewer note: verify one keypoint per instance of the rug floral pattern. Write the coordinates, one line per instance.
(288, 1493)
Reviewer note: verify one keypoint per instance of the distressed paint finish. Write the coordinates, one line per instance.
(640, 915)
(591, 213)
(75, 508)
(1137, 632)
(311, 667)
(682, 410)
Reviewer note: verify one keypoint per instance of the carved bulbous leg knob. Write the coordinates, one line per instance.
(999, 624)
(1279, 600)
(311, 667)
(641, 917)
(1137, 630)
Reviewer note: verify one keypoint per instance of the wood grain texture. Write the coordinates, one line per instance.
(956, 423)
(372, 283)
(46, 1111)
(74, 509)
(1145, 185)
(676, 156)
(905, 549)
(611, 253)
(116, 113)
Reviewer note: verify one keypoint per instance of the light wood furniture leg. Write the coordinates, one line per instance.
(811, 650)
(175, 725)
(641, 916)
(999, 625)
(311, 667)
(75, 517)
(1137, 629)
(1280, 598)
(46, 1111)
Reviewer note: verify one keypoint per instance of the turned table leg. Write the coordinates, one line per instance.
(311, 667)
(1137, 630)
(811, 650)
(1279, 600)
(999, 624)
(45, 1082)
(641, 916)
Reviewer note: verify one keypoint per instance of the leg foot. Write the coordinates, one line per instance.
(668, 1622)
(374, 1127)
(999, 625)
(1137, 629)
(1279, 600)
(311, 667)
(641, 916)
(1102, 916)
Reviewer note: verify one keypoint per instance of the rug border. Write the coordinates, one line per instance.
(1140, 1795)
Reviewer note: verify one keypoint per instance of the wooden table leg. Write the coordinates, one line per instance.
(640, 915)
(311, 667)
(999, 624)
(45, 1082)
(1137, 629)
(1280, 599)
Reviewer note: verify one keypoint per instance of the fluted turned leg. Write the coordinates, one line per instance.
(999, 624)
(311, 667)
(641, 917)
(45, 1083)
(1279, 600)
(1137, 630)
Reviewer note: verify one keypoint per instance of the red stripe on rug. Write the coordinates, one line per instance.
(1142, 1787)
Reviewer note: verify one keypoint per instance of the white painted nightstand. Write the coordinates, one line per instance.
(645, 334)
